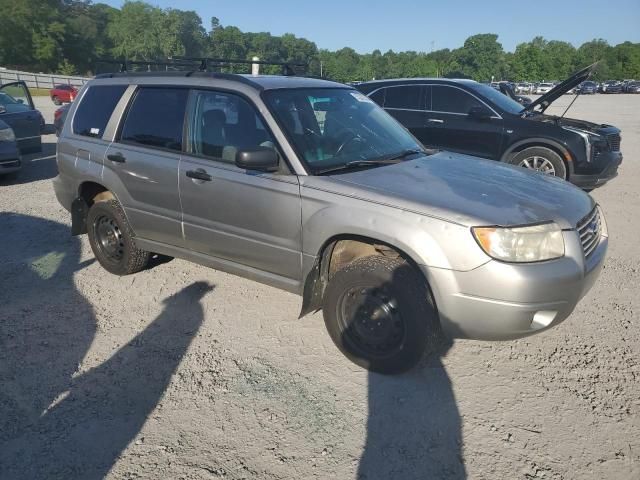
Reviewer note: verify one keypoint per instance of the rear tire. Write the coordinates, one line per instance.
(379, 313)
(111, 239)
(541, 159)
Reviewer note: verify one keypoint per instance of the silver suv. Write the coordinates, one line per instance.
(309, 186)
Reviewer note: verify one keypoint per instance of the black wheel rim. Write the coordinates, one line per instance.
(370, 321)
(109, 238)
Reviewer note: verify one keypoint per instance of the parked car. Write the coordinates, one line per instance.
(314, 189)
(10, 160)
(524, 87)
(543, 88)
(612, 86)
(63, 94)
(17, 110)
(633, 87)
(59, 116)
(587, 88)
(467, 117)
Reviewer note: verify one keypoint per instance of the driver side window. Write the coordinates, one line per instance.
(222, 123)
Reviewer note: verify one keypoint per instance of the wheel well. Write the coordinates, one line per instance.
(335, 254)
(568, 163)
(92, 192)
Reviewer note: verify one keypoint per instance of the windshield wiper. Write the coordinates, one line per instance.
(374, 162)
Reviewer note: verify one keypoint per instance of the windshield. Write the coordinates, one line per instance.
(497, 98)
(331, 127)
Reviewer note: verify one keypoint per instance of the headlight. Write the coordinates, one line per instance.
(534, 243)
(7, 135)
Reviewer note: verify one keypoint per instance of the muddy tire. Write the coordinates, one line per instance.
(541, 159)
(379, 313)
(111, 239)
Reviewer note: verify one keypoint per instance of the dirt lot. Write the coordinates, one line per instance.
(186, 372)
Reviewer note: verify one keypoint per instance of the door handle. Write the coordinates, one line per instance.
(435, 120)
(117, 157)
(199, 174)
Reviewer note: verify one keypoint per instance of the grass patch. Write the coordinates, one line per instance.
(39, 92)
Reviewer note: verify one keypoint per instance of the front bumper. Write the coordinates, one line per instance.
(10, 160)
(606, 168)
(500, 301)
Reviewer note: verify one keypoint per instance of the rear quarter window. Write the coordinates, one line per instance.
(95, 109)
(156, 118)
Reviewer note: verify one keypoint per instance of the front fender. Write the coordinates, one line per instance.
(426, 240)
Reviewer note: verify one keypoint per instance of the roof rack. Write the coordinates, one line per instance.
(207, 62)
(126, 64)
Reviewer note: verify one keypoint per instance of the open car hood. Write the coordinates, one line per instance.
(563, 87)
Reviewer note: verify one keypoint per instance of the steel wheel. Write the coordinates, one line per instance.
(371, 321)
(109, 238)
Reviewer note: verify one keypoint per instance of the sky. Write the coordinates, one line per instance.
(421, 25)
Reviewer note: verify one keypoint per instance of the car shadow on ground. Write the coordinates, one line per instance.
(413, 424)
(54, 421)
(35, 166)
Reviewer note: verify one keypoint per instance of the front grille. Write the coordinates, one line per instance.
(589, 229)
(614, 142)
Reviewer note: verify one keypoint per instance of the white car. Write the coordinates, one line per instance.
(543, 88)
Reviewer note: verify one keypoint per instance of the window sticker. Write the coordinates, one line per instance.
(95, 131)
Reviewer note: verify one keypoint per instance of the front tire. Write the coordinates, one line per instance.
(111, 239)
(379, 313)
(541, 159)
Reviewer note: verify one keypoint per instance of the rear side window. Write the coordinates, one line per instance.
(378, 96)
(156, 118)
(454, 100)
(409, 97)
(94, 111)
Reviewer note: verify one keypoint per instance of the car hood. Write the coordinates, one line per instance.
(599, 128)
(563, 87)
(465, 190)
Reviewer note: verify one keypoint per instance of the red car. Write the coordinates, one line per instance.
(63, 93)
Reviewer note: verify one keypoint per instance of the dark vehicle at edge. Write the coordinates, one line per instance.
(472, 118)
(587, 88)
(17, 111)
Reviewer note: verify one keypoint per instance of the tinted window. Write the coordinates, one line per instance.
(404, 97)
(94, 111)
(378, 96)
(156, 117)
(454, 100)
(220, 124)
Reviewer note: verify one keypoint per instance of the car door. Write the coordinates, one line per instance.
(451, 127)
(17, 110)
(145, 157)
(245, 217)
(406, 103)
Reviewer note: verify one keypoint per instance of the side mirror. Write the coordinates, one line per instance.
(479, 113)
(264, 159)
(21, 101)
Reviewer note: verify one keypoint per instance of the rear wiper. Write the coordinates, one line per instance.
(385, 160)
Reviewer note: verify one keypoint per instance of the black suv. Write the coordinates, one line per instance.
(472, 118)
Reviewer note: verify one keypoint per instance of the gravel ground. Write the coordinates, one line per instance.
(189, 373)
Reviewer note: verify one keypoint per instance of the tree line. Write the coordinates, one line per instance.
(71, 36)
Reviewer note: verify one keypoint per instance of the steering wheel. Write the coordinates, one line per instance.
(350, 136)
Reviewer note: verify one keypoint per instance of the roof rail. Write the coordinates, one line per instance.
(206, 62)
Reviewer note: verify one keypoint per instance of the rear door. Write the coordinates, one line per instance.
(406, 103)
(452, 128)
(247, 217)
(145, 157)
(17, 110)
